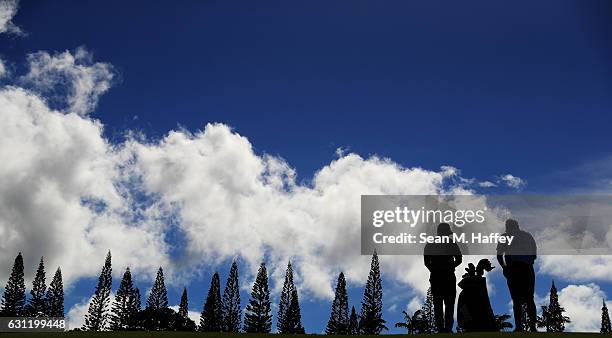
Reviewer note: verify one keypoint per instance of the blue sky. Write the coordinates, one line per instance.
(491, 88)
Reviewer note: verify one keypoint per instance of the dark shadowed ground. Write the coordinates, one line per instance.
(203, 335)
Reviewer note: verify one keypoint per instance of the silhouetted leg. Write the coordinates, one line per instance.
(438, 309)
(449, 303)
(518, 314)
(517, 296)
(531, 308)
(531, 314)
(437, 292)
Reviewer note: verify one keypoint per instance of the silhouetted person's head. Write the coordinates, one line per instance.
(512, 226)
(444, 229)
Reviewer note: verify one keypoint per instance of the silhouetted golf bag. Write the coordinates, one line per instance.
(474, 312)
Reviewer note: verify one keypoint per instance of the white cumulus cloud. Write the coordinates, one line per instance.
(512, 181)
(59, 194)
(70, 77)
(8, 9)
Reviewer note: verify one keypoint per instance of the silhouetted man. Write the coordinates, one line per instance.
(441, 259)
(516, 260)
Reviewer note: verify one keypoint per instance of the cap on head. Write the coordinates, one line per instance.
(512, 225)
(444, 229)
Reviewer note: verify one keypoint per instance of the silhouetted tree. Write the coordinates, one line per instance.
(411, 323)
(339, 318)
(371, 321)
(428, 324)
(158, 298)
(36, 304)
(353, 325)
(606, 327)
(211, 318)
(257, 318)
(184, 306)
(98, 312)
(124, 307)
(136, 299)
(552, 314)
(501, 322)
(289, 307)
(231, 302)
(14, 298)
(294, 315)
(54, 299)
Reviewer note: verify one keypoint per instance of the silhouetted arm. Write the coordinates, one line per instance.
(534, 248)
(458, 260)
(427, 261)
(500, 255)
(457, 256)
(500, 259)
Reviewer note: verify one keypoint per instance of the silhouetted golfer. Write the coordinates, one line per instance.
(441, 259)
(516, 261)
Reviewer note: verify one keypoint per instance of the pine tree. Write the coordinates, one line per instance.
(158, 298)
(294, 315)
(55, 296)
(14, 298)
(231, 302)
(36, 304)
(257, 318)
(606, 327)
(552, 315)
(339, 318)
(284, 320)
(353, 325)
(427, 315)
(184, 306)
(136, 303)
(124, 307)
(211, 318)
(371, 321)
(98, 313)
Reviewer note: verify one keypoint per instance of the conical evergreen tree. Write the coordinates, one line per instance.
(353, 325)
(14, 298)
(257, 318)
(136, 302)
(36, 305)
(428, 324)
(124, 307)
(158, 298)
(339, 318)
(211, 318)
(55, 296)
(184, 306)
(293, 320)
(284, 320)
(371, 321)
(231, 302)
(606, 327)
(97, 315)
(552, 315)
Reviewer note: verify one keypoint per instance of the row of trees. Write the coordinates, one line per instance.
(222, 312)
(43, 301)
